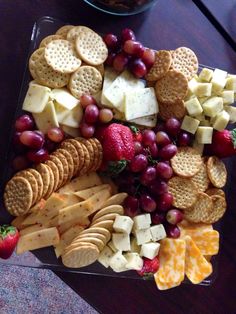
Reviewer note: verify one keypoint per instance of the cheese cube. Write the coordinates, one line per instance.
(142, 221)
(140, 103)
(143, 236)
(73, 118)
(157, 232)
(204, 135)
(200, 117)
(190, 124)
(206, 75)
(112, 247)
(199, 147)
(123, 224)
(148, 121)
(192, 85)
(105, 256)
(46, 119)
(150, 250)
(134, 261)
(121, 241)
(212, 106)
(36, 98)
(193, 107)
(203, 89)
(231, 83)
(134, 246)
(118, 262)
(205, 122)
(232, 113)
(228, 97)
(202, 99)
(221, 121)
(64, 98)
(218, 80)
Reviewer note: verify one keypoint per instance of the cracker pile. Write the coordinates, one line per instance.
(74, 157)
(170, 75)
(72, 57)
(192, 186)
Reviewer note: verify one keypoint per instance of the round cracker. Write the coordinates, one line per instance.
(51, 182)
(185, 61)
(69, 160)
(169, 110)
(184, 192)
(32, 61)
(216, 171)
(86, 80)
(48, 39)
(201, 179)
(75, 31)
(95, 154)
(117, 199)
(99, 236)
(61, 55)
(171, 87)
(99, 243)
(117, 209)
(86, 164)
(45, 174)
(18, 196)
(100, 230)
(78, 146)
(111, 216)
(91, 48)
(161, 65)
(39, 180)
(215, 191)
(107, 224)
(67, 145)
(59, 166)
(187, 162)
(90, 149)
(33, 182)
(218, 210)
(100, 153)
(200, 210)
(65, 165)
(63, 31)
(55, 172)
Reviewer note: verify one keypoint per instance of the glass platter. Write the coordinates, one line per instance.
(45, 258)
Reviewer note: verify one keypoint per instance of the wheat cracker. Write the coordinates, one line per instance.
(117, 199)
(99, 230)
(96, 235)
(39, 180)
(44, 171)
(99, 243)
(201, 179)
(90, 149)
(161, 65)
(60, 168)
(111, 216)
(32, 181)
(215, 191)
(51, 182)
(169, 110)
(55, 172)
(67, 145)
(86, 164)
(65, 165)
(78, 146)
(100, 153)
(95, 155)
(216, 171)
(200, 210)
(218, 210)
(69, 160)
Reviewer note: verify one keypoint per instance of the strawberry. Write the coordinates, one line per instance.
(137, 135)
(223, 143)
(9, 237)
(150, 266)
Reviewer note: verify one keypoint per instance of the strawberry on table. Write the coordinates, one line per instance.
(150, 266)
(223, 143)
(9, 237)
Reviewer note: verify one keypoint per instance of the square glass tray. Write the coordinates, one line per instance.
(46, 258)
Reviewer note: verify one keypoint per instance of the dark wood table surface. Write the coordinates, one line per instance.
(171, 23)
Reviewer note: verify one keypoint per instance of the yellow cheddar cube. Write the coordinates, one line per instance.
(206, 75)
(190, 124)
(218, 80)
(192, 85)
(203, 89)
(212, 106)
(221, 121)
(200, 117)
(232, 113)
(231, 83)
(204, 134)
(205, 122)
(193, 107)
(228, 97)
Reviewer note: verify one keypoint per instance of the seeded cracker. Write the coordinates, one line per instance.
(161, 65)
(217, 172)
(169, 110)
(200, 210)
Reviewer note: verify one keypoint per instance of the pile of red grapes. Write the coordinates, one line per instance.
(32, 146)
(146, 178)
(126, 52)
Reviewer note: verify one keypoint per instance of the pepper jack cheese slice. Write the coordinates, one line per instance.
(197, 268)
(36, 98)
(64, 98)
(46, 119)
(73, 117)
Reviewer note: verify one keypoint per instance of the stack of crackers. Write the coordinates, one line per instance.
(75, 157)
(170, 75)
(196, 188)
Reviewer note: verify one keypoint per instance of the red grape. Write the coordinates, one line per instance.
(173, 126)
(174, 216)
(172, 231)
(110, 59)
(120, 62)
(105, 115)
(138, 163)
(148, 57)
(149, 137)
(159, 127)
(38, 156)
(157, 218)
(165, 201)
(131, 206)
(158, 187)
(87, 130)
(20, 162)
(162, 138)
(49, 145)
(138, 68)
(24, 123)
(138, 147)
(148, 175)
(133, 48)
(147, 203)
(56, 135)
(153, 150)
(18, 146)
(127, 34)
(168, 151)
(86, 100)
(111, 40)
(164, 171)
(91, 114)
(184, 139)
(32, 139)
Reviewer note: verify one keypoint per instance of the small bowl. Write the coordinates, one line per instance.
(121, 7)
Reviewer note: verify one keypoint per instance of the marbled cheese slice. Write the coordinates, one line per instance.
(165, 285)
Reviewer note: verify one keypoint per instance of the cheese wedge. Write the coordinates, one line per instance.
(84, 194)
(74, 117)
(74, 132)
(64, 98)
(36, 98)
(148, 121)
(46, 119)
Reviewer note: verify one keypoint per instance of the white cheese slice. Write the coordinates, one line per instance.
(64, 98)
(142, 221)
(148, 121)
(73, 118)
(134, 261)
(109, 76)
(118, 262)
(36, 98)
(46, 119)
(157, 232)
(105, 256)
(121, 241)
(150, 250)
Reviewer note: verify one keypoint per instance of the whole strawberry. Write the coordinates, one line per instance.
(9, 237)
(150, 266)
(223, 143)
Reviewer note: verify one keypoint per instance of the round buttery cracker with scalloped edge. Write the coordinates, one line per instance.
(63, 31)
(57, 179)
(161, 65)
(32, 62)
(216, 171)
(48, 39)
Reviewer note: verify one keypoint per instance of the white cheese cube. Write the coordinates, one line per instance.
(212, 106)
(190, 124)
(150, 250)
(134, 261)
(231, 83)
(123, 224)
(192, 85)
(121, 241)
(218, 80)
(200, 117)
(105, 256)
(202, 99)
(140, 103)
(143, 236)
(46, 119)
(232, 113)
(193, 107)
(112, 247)
(64, 98)
(203, 89)
(36, 98)
(158, 232)
(206, 75)
(221, 121)
(142, 221)
(148, 121)
(134, 245)
(74, 132)
(228, 97)
(205, 122)
(118, 262)
(199, 147)
(204, 135)
(74, 117)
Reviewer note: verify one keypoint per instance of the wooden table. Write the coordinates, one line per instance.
(171, 23)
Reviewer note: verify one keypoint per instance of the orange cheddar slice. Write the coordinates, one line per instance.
(166, 285)
(197, 268)
(172, 261)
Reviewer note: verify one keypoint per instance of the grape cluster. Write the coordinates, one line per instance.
(126, 52)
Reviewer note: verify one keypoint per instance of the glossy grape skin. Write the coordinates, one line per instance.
(87, 130)
(184, 139)
(162, 139)
(56, 135)
(157, 217)
(172, 231)
(32, 139)
(91, 114)
(132, 47)
(172, 126)
(148, 175)
(164, 171)
(138, 147)
(19, 148)
(127, 34)
(24, 123)
(138, 163)
(111, 41)
(138, 68)
(148, 137)
(110, 59)
(120, 62)
(105, 115)
(38, 156)
(168, 151)
(147, 203)
(164, 201)
(153, 150)
(148, 57)
(174, 216)
(158, 187)
(131, 206)
(86, 100)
